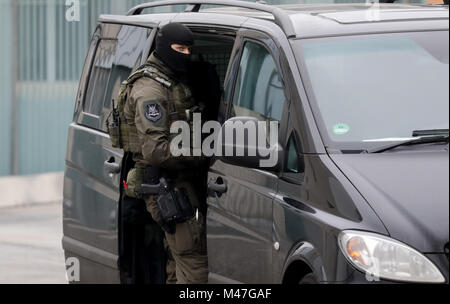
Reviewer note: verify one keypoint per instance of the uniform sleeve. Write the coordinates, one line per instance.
(152, 123)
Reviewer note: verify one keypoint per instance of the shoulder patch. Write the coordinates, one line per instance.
(153, 112)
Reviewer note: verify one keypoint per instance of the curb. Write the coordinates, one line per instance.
(18, 191)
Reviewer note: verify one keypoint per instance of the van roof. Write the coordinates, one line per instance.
(312, 20)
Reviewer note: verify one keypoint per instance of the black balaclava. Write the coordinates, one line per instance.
(174, 33)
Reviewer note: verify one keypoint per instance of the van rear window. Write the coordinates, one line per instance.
(100, 73)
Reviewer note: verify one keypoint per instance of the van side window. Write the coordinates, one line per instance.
(133, 47)
(292, 163)
(100, 73)
(259, 91)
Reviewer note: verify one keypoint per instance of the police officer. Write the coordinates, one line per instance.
(154, 103)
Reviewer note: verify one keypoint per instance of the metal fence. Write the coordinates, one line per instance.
(41, 56)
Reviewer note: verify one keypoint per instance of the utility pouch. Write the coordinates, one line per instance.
(113, 126)
(185, 207)
(174, 204)
(167, 203)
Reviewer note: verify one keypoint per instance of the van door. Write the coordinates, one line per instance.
(239, 219)
(92, 176)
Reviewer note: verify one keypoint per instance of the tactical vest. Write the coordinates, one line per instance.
(122, 134)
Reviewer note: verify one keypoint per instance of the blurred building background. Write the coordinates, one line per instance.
(41, 57)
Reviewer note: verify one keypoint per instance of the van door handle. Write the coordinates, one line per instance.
(218, 186)
(111, 166)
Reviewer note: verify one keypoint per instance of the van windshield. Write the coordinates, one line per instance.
(377, 88)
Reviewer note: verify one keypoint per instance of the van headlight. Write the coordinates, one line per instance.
(382, 257)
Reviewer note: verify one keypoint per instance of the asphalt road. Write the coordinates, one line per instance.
(30, 245)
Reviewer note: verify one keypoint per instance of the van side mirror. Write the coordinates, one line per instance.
(247, 142)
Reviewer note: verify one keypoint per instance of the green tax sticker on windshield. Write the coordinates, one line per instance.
(341, 129)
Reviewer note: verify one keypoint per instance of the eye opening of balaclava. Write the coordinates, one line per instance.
(174, 33)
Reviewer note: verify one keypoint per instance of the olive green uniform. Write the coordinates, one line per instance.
(153, 104)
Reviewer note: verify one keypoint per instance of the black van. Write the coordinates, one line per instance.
(360, 190)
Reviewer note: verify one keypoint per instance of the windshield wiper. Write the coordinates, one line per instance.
(417, 141)
(434, 132)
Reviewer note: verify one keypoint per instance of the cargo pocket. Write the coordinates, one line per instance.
(189, 237)
(182, 242)
(113, 127)
(152, 207)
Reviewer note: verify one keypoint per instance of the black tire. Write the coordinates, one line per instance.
(308, 279)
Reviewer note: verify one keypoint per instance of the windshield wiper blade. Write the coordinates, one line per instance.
(416, 141)
(434, 132)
